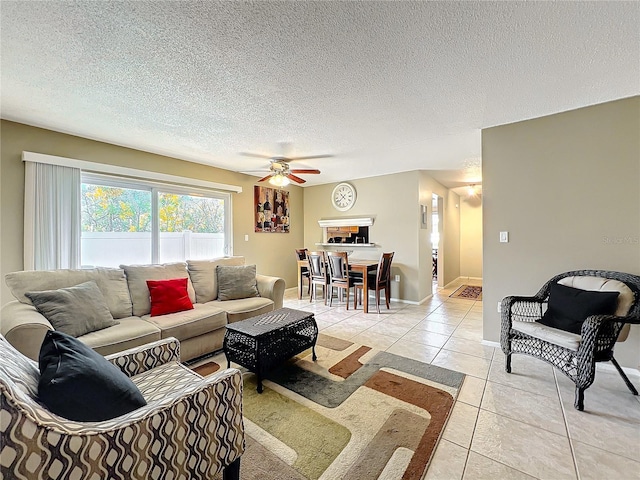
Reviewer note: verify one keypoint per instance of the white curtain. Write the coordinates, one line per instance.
(51, 217)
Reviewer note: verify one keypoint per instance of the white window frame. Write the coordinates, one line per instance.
(156, 187)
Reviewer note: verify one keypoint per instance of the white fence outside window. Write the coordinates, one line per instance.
(111, 249)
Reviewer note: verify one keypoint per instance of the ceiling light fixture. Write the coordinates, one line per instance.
(471, 190)
(279, 180)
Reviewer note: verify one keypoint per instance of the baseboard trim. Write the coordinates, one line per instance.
(412, 302)
(462, 279)
(489, 343)
(452, 282)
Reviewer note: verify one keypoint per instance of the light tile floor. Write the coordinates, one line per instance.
(503, 426)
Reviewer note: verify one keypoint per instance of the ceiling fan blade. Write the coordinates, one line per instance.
(296, 179)
(305, 170)
(256, 155)
(265, 178)
(263, 170)
(309, 157)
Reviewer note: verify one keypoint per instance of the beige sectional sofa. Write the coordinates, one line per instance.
(199, 330)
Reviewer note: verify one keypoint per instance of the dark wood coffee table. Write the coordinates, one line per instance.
(261, 342)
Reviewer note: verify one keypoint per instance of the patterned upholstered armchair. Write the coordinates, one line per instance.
(573, 354)
(191, 427)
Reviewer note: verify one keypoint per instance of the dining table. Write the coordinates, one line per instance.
(361, 266)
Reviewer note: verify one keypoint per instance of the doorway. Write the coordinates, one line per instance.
(437, 220)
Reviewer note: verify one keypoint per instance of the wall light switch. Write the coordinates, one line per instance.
(504, 237)
(397, 278)
(246, 238)
(499, 307)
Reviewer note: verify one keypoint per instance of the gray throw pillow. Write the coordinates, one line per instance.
(236, 282)
(74, 310)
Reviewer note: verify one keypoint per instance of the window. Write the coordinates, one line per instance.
(191, 227)
(128, 222)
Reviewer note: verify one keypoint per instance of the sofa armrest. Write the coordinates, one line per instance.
(272, 288)
(137, 360)
(24, 328)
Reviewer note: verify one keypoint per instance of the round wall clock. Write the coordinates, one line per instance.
(343, 196)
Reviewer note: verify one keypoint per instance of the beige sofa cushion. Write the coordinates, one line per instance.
(137, 276)
(130, 332)
(244, 307)
(625, 299)
(203, 276)
(552, 335)
(202, 319)
(111, 282)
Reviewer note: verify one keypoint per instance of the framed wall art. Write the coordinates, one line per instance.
(271, 207)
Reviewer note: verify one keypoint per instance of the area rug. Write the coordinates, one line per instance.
(468, 291)
(356, 413)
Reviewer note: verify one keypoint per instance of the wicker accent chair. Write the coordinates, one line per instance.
(575, 355)
(191, 427)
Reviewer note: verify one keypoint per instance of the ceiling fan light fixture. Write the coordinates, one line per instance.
(279, 180)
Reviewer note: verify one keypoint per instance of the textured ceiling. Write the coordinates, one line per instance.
(383, 86)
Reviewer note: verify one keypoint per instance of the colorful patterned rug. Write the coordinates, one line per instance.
(468, 291)
(355, 413)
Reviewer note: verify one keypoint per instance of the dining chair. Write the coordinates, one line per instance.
(301, 254)
(339, 275)
(318, 274)
(381, 280)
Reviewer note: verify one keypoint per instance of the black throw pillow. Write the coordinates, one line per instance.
(79, 384)
(569, 307)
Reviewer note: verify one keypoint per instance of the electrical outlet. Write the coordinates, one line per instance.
(246, 238)
(397, 278)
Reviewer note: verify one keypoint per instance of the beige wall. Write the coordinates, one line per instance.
(567, 189)
(394, 201)
(272, 253)
(451, 242)
(471, 236)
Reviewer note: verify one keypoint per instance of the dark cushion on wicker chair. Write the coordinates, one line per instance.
(569, 307)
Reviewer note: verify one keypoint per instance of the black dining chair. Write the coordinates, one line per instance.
(339, 277)
(381, 280)
(319, 274)
(301, 254)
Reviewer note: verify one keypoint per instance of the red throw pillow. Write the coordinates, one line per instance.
(169, 296)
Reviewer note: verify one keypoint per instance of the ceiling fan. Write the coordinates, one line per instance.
(280, 173)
